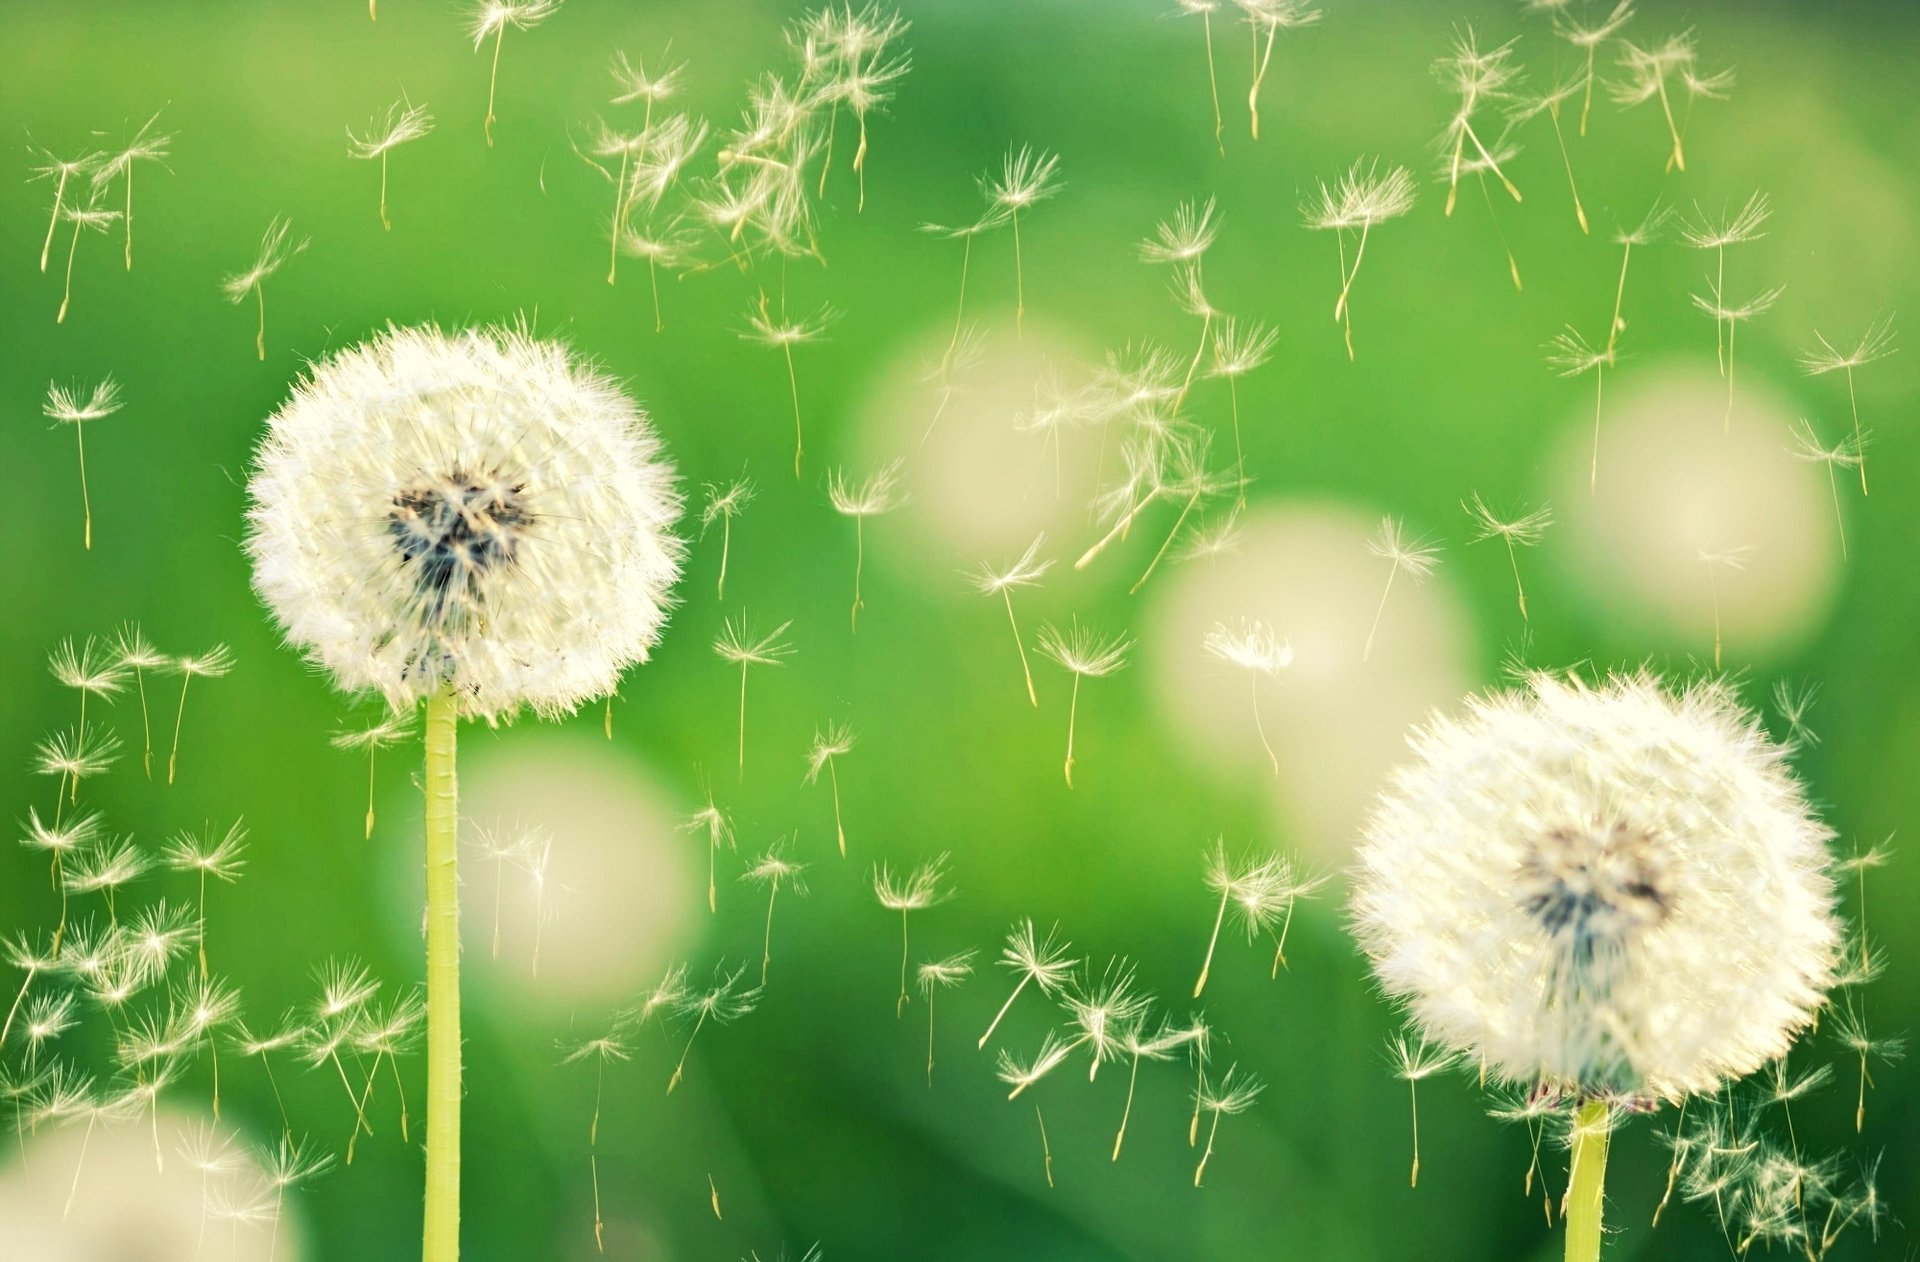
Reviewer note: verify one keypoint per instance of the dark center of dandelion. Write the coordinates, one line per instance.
(454, 531)
(1594, 885)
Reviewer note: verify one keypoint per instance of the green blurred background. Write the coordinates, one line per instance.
(812, 1116)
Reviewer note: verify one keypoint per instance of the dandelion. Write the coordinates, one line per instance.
(88, 218)
(1523, 531)
(67, 405)
(1608, 891)
(146, 146)
(739, 645)
(403, 123)
(715, 823)
(1360, 199)
(1588, 39)
(1874, 344)
(491, 18)
(212, 664)
(1043, 962)
(61, 171)
(940, 975)
(1475, 77)
(276, 247)
(390, 729)
(1716, 560)
(1844, 454)
(721, 1003)
(1205, 9)
(1026, 179)
(1020, 1074)
(1026, 571)
(610, 1046)
(916, 891)
(207, 855)
(478, 522)
(828, 745)
(1085, 654)
(1415, 556)
(1570, 354)
(1531, 107)
(1233, 1092)
(723, 505)
(1160, 1045)
(783, 335)
(1272, 17)
(1238, 349)
(1252, 646)
(1105, 1012)
(1644, 75)
(773, 869)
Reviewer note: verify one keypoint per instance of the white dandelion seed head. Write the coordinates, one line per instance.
(1614, 887)
(476, 511)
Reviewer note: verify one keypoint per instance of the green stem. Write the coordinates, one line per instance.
(443, 983)
(1586, 1191)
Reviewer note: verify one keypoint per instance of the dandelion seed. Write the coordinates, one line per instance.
(289, 1165)
(1271, 17)
(1792, 703)
(1184, 237)
(937, 975)
(89, 218)
(66, 405)
(1105, 1012)
(1523, 531)
(491, 18)
(1570, 354)
(1234, 1092)
(916, 891)
(1587, 39)
(1043, 962)
(203, 1006)
(1415, 1061)
(61, 171)
(1732, 228)
(1847, 453)
(828, 745)
(666, 245)
(1875, 344)
(1645, 232)
(1026, 571)
(1257, 890)
(783, 335)
(1085, 654)
(1026, 179)
(724, 1002)
(1252, 646)
(774, 870)
(1535, 1108)
(134, 652)
(276, 247)
(871, 498)
(1530, 107)
(1716, 560)
(861, 72)
(1160, 1045)
(739, 645)
(1415, 556)
(1238, 349)
(21, 954)
(1188, 481)
(1360, 199)
(289, 1033)
(212, 664)
(1644, 76)
(1474, 77)
(388, 730)
(403, 123)
(1020, 1074)
(1205, 9)
(723, 506)
(88, 671)
(146, 146)
(991, 219)
(718, 828)
(74, 755)
(1857, 863)
(610, 1046)
(206, 855)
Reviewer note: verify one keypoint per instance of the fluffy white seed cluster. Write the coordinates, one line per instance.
(475, 511)
(1600, 888)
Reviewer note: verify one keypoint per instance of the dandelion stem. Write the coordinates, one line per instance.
(766, 945)
(442, 1230)
(1593, 471)
(1006, 594)
(1519, 588)
(1219, 127)
(1619, 297)
(66, 299)
(1178, 522)
(839, 829)
(1839, 521)
(1206, 965)
(1280, 943)
(1413, 1094)
(372, 749)
(726, 547)
(1119, 529)
(385, 222)
(1726, 422)
(1019, 281)
(86, 503)
(1367, 651)
(1586, 1188)
(1340, 307)
(1261, 728)
(260, 335)
(681, 1066)
(1679, 160)
(742, 772)
(959, 311)
(1200, 1171)
(1259, 77)
(93, 1115)
(127, 219)
(1073, 714)
(1046, 1149)
(860, 162)
(59, 198)
(1586, 104)
(619, 208)
(930, 1039)
(901, 1003)
(1713, 586)
(1859, 439)
(859, 564)
(1579, 211)
(991, 1027)
(173, 758)
(1133, 1076)
(793, 388)
(493, 82)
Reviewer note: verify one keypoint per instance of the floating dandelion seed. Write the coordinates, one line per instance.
(783, 335)
(1708, 233)
(774, 870)
(138, 655)
(276, 247)
(1160, 1045)
(1845, 454)
(66, 405)
(1359, 199)
(24, 956)
(147, 145)
(739, 645)
(1184, 237)
(1860, 861)
(1644, 76)
(937, 975)
(1238, 349)
(1260, 891)
(1105, 1012)
(1793, 703)
(212, 664)
(1185, 479)
(207, 855)
(289, 1033)
(1020, 1074)
(1413, 1061)
(1085, 654)
(1271, 17)
(479, 522)
(1645, 232)
(1415, 556)
(61, 171)
(89, 218)
(1205, 9)
(1570, 355)
(1026, 571)
(723, 505)
(1874, 344)
(1252, 646)
(289, 1165)
(1717, 560)
(828, 745)
(386, 1035)
(1523, 531)
(990, 220)
(1043, 962)
(87, 669)
(1588, 39)
(861, 73)
(612, 1045)
(871, 498)
(402, 123)
(1026, 179)
(1233, 1092)
(1536, 1109)
(1850, 1029)
(1612, 892)
(1527, 108)
(665, 245)
(944, 373)
(918, 890)
(389, 730)
(718, 828)
(491, 18)
(1475, 78)
(723, 1002)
